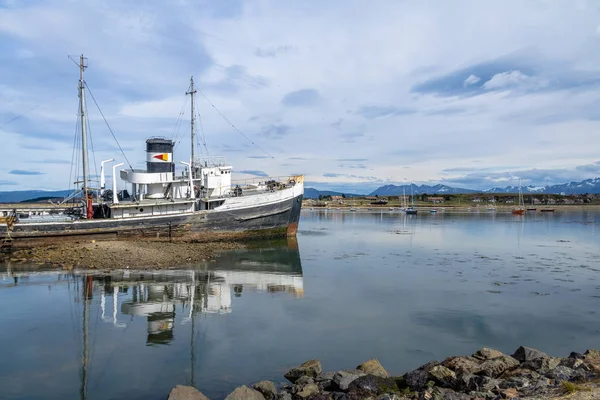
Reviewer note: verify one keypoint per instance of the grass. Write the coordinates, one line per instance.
(570, 387)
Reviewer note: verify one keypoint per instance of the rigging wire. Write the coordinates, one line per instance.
(26, 112)
(106, 122)
(89, 134)
(202, 136)
(73, 160)
(232, 125)
(179, 119)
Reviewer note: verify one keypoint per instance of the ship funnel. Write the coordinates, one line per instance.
(159, 155)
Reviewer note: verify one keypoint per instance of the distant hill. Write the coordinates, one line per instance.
(18, 196)
(394, 190)
(312, 193)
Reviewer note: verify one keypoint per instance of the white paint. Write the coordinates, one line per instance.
(114, 183)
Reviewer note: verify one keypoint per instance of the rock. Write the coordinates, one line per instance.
(592, 353)
(560, 373)
(372, 384)
(532, 376)
(509, 394)
(542, 365)
(442, 376)
(310, 368)
(326, 376)
(307, 391)
(576, 355)
(343, 379)
(417, 379)
(496, 366)
(284, 396)
(573, 363)
(245, 393)
(373, 367)
(304, 380)
(515, 382)
(463, 380)
(483, 384)
(267, 388)
(487, 354)
(180, 392)
(470, 364)
(523, 354)
(482, 395)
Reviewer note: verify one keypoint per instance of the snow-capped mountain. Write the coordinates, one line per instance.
(582, 187)
(394, 190)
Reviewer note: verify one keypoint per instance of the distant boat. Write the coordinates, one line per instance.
(411, 210)
(520, 210)
(391, 208)
(433, 211)
(547, 210)
(531, 209)
(491, 208)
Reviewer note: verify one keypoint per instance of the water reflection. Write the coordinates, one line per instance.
(167, 302)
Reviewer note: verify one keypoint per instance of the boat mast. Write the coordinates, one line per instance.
(193, 118)
(84, 155)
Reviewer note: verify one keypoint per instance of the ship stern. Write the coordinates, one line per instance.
(292, 228)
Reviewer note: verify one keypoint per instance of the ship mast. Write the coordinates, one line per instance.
(193, 119)
(84, 152)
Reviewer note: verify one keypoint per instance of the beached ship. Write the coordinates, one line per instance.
(201, 202)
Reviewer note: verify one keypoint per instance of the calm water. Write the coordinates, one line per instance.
(355, 285)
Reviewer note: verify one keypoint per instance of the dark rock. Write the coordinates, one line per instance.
(523, 354)
(326, 376)
(308, 391)
(463, 381)
(310, 368)
(180, 392)
(322, 396)
(542, 365)
(267, 388)
(516, 382)
(339, 396)
(488, 354)
(284, 396)
(532, 376)
(581, 375)
(573, 363)
(578, 356)
(442, 376)
(417, 379)
(304, 380)
(344, 378)
(373, 367)
(245, 393)
(482, 395)
(470, 364)
(560, 373)
(496, 366)
(483, 383)
(372, 384)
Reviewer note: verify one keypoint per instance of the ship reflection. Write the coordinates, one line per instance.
(206, 289)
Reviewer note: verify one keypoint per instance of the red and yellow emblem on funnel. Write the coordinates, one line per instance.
(162, 157)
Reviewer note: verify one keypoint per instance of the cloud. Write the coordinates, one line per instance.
(371, 112)
(274, 51)
(275, 131)
(7, 183)
(254, 172)
(353, 166)
(53, 161)
(258, 157)
(510, 79)
(471, 80)
(351, 136)
(301, 98)
(352, 159)
(331, 175)
(24, 172)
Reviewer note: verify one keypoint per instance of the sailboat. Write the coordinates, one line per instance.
(532, 208)
(411, 210)
(352, 208)
(201, 202)
(520, 209)
(547, 209)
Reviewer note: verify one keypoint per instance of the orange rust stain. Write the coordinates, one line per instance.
(292, 229)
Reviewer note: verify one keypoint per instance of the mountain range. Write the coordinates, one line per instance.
(581, 187)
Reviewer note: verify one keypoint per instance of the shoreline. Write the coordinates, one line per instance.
(121, 254)
(487, 374)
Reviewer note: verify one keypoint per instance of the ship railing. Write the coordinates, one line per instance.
(210, 161)
(263, 181)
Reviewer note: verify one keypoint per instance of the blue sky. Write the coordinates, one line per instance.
(354, 95)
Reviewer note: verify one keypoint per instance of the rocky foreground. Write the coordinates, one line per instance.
(487, 374)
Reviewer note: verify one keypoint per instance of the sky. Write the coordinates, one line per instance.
(352, 94)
